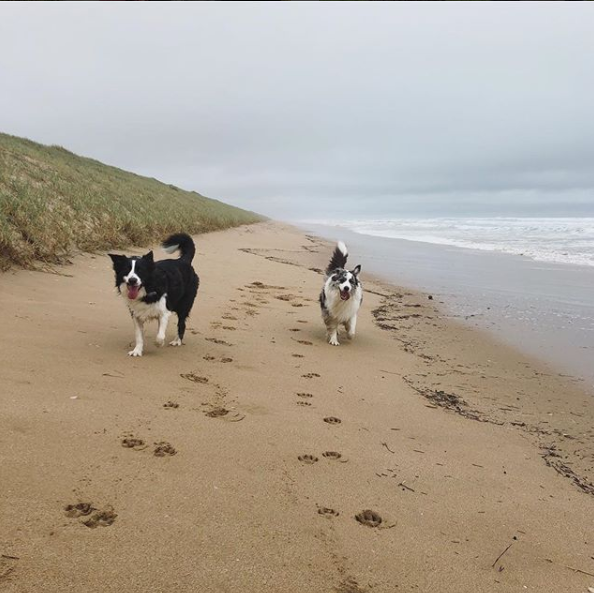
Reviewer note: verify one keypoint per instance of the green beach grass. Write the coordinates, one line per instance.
(54, 203)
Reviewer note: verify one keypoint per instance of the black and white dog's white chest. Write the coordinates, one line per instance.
(147, 311)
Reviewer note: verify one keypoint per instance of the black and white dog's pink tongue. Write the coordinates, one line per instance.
(344, 295)
(133, 292)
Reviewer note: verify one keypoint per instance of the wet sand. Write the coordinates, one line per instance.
(421, 456)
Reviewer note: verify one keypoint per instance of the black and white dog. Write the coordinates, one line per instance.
(341, 296)
(155, 290)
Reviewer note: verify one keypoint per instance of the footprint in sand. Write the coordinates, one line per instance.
(309, 459)
(303, 394)
(349, 585)
(80, 509)
(332, 455)
(217, 341)
(229, 328)
(101, 519)
(303, 403)
(84, 509)
(217, 413)
(210, 358)
(301, 321)
(194, 378)
(294, 329)
(297, 356)
(171, 405)
(332, 420)
(224, 414)
(7, 565)
(164, 449)
(310, 375)
(263, 286)
(131, 442)
(229, 317)
(326, 512)
(369, 518)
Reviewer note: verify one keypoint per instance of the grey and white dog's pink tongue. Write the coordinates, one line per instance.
(344, 295)
(133, 292)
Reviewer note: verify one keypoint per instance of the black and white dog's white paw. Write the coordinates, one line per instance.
(136, 352)
(176, 342)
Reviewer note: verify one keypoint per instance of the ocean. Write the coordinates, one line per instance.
(529, 281)
(560, 240)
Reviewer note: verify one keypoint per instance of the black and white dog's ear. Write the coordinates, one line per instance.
(117, 260)
(149, 257)
(356, 270)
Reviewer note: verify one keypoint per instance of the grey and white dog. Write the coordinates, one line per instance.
(341, 296)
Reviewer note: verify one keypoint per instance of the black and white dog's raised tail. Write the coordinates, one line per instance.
(341, 296)
(155, 290)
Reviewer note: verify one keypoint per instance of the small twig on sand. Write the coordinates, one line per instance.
(405, 486)
(501, 555)
(9, 557)
(386, 446)
(390, 372)
(580, 571)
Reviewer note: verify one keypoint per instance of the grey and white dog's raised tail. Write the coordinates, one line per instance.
(339, 258)
(184, 243)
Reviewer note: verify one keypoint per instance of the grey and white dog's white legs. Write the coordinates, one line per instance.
(332, 333)
(351, 326)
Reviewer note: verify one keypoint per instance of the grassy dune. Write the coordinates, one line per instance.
(53, 202)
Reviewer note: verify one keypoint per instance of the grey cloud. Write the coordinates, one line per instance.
(296, 107)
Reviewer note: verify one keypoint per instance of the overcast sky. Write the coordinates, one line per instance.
(317, 110)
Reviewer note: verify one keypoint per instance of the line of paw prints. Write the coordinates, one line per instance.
(161, 448)
(367, 517)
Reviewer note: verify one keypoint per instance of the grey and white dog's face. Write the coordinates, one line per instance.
(345, 282)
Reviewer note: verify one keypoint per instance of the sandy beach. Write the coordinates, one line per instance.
(423, 456)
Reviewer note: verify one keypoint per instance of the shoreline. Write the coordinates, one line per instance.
(544, 310)
(262, 494)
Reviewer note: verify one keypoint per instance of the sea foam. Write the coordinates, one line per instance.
(558, 240)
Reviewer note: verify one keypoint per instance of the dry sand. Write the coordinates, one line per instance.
(237, 507)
